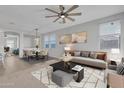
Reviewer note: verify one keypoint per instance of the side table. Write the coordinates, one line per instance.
(112, 65)
(113, 62)
(80, 72)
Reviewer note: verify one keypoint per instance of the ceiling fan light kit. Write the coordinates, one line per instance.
(63, 15)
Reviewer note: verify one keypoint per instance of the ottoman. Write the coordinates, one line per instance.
(61, 78)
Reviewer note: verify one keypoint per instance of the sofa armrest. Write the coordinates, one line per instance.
(115, 80)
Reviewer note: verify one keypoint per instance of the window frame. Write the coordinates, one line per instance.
(100, 36)
(12, 44)
(50, 41)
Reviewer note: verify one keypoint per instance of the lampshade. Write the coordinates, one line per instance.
(115, 51)
(67, 48)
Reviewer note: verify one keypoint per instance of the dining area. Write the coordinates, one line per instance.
(35, 53)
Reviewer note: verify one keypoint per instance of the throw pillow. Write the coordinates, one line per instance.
(85, 53)
(77, 53)
(93, 55)
(120, 69)
(101, 56)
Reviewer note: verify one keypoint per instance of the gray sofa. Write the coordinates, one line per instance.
(84, 57)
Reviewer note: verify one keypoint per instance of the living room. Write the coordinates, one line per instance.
(93, 35)
(73, 49)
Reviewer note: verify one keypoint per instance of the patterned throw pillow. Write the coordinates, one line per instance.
(77, 53)
(85, 53)
(120, 69)
(93, 55)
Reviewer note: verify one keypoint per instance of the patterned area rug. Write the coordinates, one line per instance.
(93, 78)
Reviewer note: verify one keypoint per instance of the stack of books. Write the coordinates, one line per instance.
(77, 68)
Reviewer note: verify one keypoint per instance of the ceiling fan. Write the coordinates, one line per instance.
(63, 14)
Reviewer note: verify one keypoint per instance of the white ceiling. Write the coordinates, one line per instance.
(29, 17)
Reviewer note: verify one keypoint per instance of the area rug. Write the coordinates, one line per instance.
(93, 78)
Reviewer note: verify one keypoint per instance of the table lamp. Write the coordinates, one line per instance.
(67, 49)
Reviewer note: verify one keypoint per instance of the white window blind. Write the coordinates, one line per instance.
(110, 35)
(50, 41)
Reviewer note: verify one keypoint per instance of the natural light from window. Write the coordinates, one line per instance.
(50, 41)
(110, 35)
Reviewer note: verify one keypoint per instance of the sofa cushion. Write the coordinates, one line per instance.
(89, 61)
(85, 53)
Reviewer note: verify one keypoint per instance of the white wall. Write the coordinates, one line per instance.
(92, 29)
(28, 39)
(28, 42)
(1, 41)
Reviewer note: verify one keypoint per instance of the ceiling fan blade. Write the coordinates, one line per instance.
(72, 8)
(70, 18)
(63, 20)
(61, 8)
(74, 14)
(51, 10)
(56, 19)
(51, 16)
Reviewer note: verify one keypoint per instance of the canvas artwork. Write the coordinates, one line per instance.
(65, 39)
(79, 37)
(73, 38)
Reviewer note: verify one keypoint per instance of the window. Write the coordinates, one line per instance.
(50, 41)
(11, 44)
(110, 35)
(12, 41)
(46, 41)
